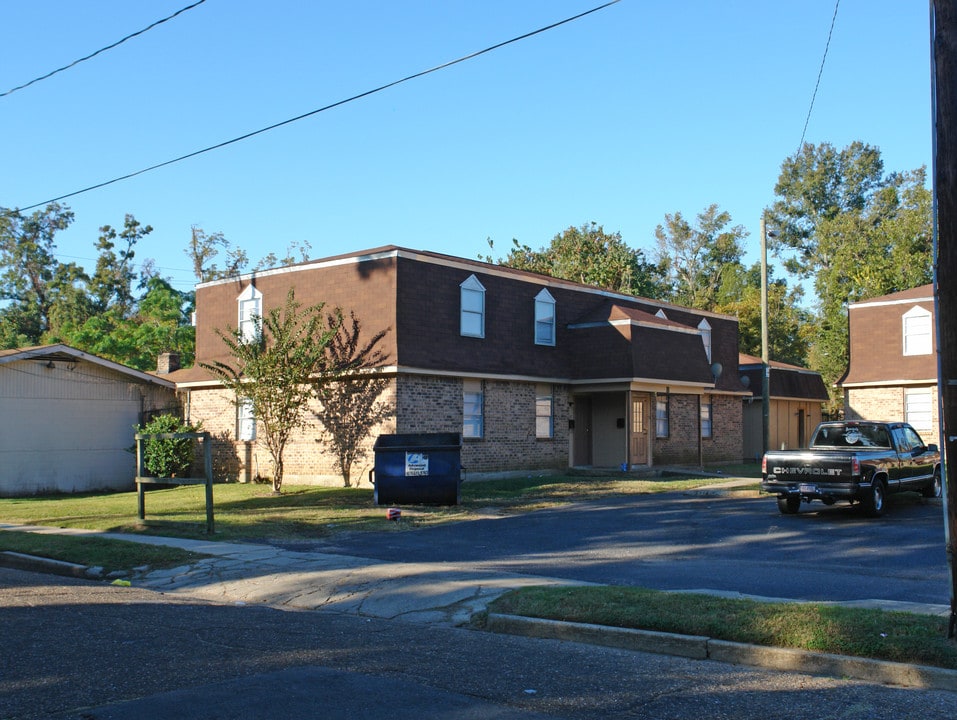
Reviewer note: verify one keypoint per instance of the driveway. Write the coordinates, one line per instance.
(693, 541)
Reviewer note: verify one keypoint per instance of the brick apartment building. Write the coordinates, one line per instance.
(892, 360)
(535, 373)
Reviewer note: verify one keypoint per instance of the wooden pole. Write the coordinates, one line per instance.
(765, 357)
(944, 100)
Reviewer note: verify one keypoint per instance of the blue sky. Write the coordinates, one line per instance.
(645, 108)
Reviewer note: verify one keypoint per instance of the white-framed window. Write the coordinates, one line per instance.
(918, 332)
(544, 318)
(544, 411)
(473, 409)
(919, 410)
(245, 420)
(473, 308)
(704, 327)
(707, 429)
(250, 303)
(662, 419)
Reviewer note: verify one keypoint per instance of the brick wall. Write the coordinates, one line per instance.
(888, 403)
(681, 446)
(435, 404)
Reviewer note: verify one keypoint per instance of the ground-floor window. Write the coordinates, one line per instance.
(245, 421)
(544, 411)
(662, 420)
(919, 409)
(473, 420)
(706, 417)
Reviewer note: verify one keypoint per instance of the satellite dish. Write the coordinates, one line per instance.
(716, 370)
(746, 381)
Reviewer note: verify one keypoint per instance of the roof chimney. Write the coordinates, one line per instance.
(167, 362)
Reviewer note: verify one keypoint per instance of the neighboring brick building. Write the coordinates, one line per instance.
(892, 361)
(536, 373)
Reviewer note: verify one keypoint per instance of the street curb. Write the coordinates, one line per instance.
(704, 648)
(20, 561)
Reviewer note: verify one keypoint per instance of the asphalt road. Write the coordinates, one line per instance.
(91, 651)
(698, 542)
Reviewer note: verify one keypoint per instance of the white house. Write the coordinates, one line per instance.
(67, 420)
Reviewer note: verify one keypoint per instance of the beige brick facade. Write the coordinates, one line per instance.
(893, 403)
(684, 444)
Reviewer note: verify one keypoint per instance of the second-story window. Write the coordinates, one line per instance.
(544, 318)
(917, 332)
(250, 313)
(473, 308)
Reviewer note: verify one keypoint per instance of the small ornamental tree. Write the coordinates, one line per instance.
(350, 393)
(272, 369)
(167, 457)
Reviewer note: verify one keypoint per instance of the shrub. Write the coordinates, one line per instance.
(167, 457)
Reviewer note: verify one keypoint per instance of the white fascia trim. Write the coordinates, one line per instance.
(34, 353)
(352, 260)
(885, 303)
(889, 383)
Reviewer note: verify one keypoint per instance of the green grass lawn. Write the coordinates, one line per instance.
(253, 512)
(879, 634)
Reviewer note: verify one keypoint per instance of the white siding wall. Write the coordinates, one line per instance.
(64, 430)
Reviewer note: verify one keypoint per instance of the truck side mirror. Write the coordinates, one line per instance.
(933, 448)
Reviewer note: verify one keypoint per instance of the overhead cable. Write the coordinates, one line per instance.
(361, 95)
(101, 50)
(820, 72)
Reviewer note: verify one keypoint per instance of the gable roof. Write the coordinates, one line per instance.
(786, 381)
(65, 353)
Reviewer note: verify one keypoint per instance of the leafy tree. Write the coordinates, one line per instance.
(696, 258)
(32, 279)
(351, 407)
(273, 370)
(203, 249)
(589, 255)
(855, 231)
(790, 324)
(111, 286)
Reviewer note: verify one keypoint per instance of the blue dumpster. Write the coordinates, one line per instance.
(417, 469)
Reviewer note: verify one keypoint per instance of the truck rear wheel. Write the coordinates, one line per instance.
(934, 489)
(789, 504)
(873, 500)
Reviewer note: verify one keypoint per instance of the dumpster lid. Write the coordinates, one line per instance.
(419, 441)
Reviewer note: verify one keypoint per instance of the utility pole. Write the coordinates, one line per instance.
(765, 362)
(943, 29)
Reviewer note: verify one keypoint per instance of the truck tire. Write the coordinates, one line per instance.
(789, 504)
(934, 489)
(874, 497)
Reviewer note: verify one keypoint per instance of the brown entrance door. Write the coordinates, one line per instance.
(639, 430)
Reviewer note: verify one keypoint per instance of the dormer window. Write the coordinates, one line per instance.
(473, 308)
(918, 332)
(705, 329)
(544, 318)
(250, 313)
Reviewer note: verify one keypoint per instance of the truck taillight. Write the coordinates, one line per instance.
(855, 466)
(764, 464)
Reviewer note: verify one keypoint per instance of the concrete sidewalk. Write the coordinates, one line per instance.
(446, 594)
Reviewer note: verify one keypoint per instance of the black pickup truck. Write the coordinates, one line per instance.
(853, 461)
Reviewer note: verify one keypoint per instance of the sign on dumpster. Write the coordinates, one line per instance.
(416, 464)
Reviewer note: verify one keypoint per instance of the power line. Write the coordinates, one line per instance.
(361, 95)
(101, 50)
(820, 72)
